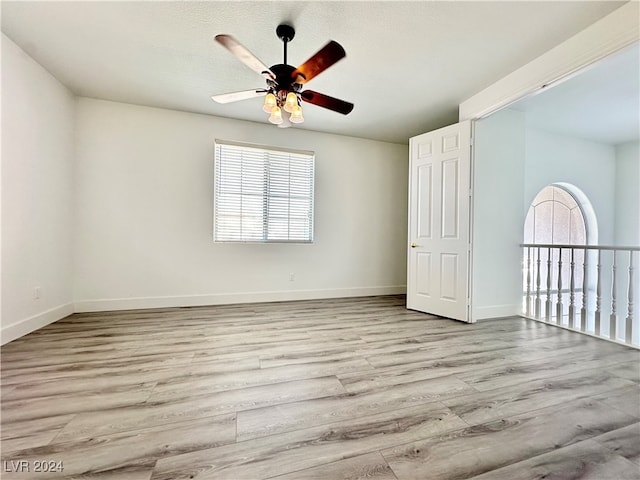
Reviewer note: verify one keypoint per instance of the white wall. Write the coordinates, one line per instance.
(37, 201)
(512, 164)
(590, 166)
(144, 214)
(117, 213)
(627, 195)
(627, 231)
(498, 214)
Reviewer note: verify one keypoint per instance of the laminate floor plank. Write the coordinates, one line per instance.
(427, 347)
(626, 399)
(302, 449)
(51, 386)
(120, 474)
(503, 402)
(352, 388)
(180, 364)
(481, 448)
(129, 451)
(585, 461)
(334, 325)
(442, 327)
(155, 412)
(201, 384)
(88, 362)
(512, 373)
(62, 342)
(77, 402)
(449, 364)
(624, 442)
(628, 370)
(371, 466)
(308, 413)
(431, 336)
(548, 346)
(281, 354)
(28, 434)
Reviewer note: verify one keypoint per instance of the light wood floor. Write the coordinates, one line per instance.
(333, 389)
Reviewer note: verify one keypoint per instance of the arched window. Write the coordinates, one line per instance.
(555, 217)
(561, 214)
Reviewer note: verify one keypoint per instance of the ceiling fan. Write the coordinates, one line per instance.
(285, 82)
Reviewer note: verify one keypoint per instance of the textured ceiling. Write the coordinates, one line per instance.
(408, 64)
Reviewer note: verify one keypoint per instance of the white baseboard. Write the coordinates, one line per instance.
(101, 305)
(496, 311)
(28, 325)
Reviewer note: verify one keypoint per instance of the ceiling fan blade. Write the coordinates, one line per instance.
(244, 55)
(326, 101)
(235, 96)
(318, 63)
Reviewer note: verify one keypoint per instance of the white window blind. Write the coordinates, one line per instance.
(262, 194)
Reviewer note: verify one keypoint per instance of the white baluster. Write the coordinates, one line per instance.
(553, 309)
(598, 295)
(548, 302)
(572, 293)
(629, 319)
(538, 300)
(613, 318)
(528, 306)
(559, 309)
(583, 310)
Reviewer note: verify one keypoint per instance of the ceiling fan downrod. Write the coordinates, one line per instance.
(284, 91)
(285, 33)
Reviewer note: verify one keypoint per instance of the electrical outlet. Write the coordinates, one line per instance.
(37, 293)
(292, 277)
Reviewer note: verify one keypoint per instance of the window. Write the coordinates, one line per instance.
(262, 194)
(560, 214)
(555, 217)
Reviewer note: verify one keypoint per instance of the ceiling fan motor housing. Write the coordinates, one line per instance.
(283, 82)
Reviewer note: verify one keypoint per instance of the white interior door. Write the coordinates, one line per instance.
(439, 222)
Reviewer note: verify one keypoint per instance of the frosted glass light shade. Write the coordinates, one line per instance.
(296, 115)
(291, 102)
(276, 116)
(270, 101)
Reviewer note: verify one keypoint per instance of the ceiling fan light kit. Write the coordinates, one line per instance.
(285, 83)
